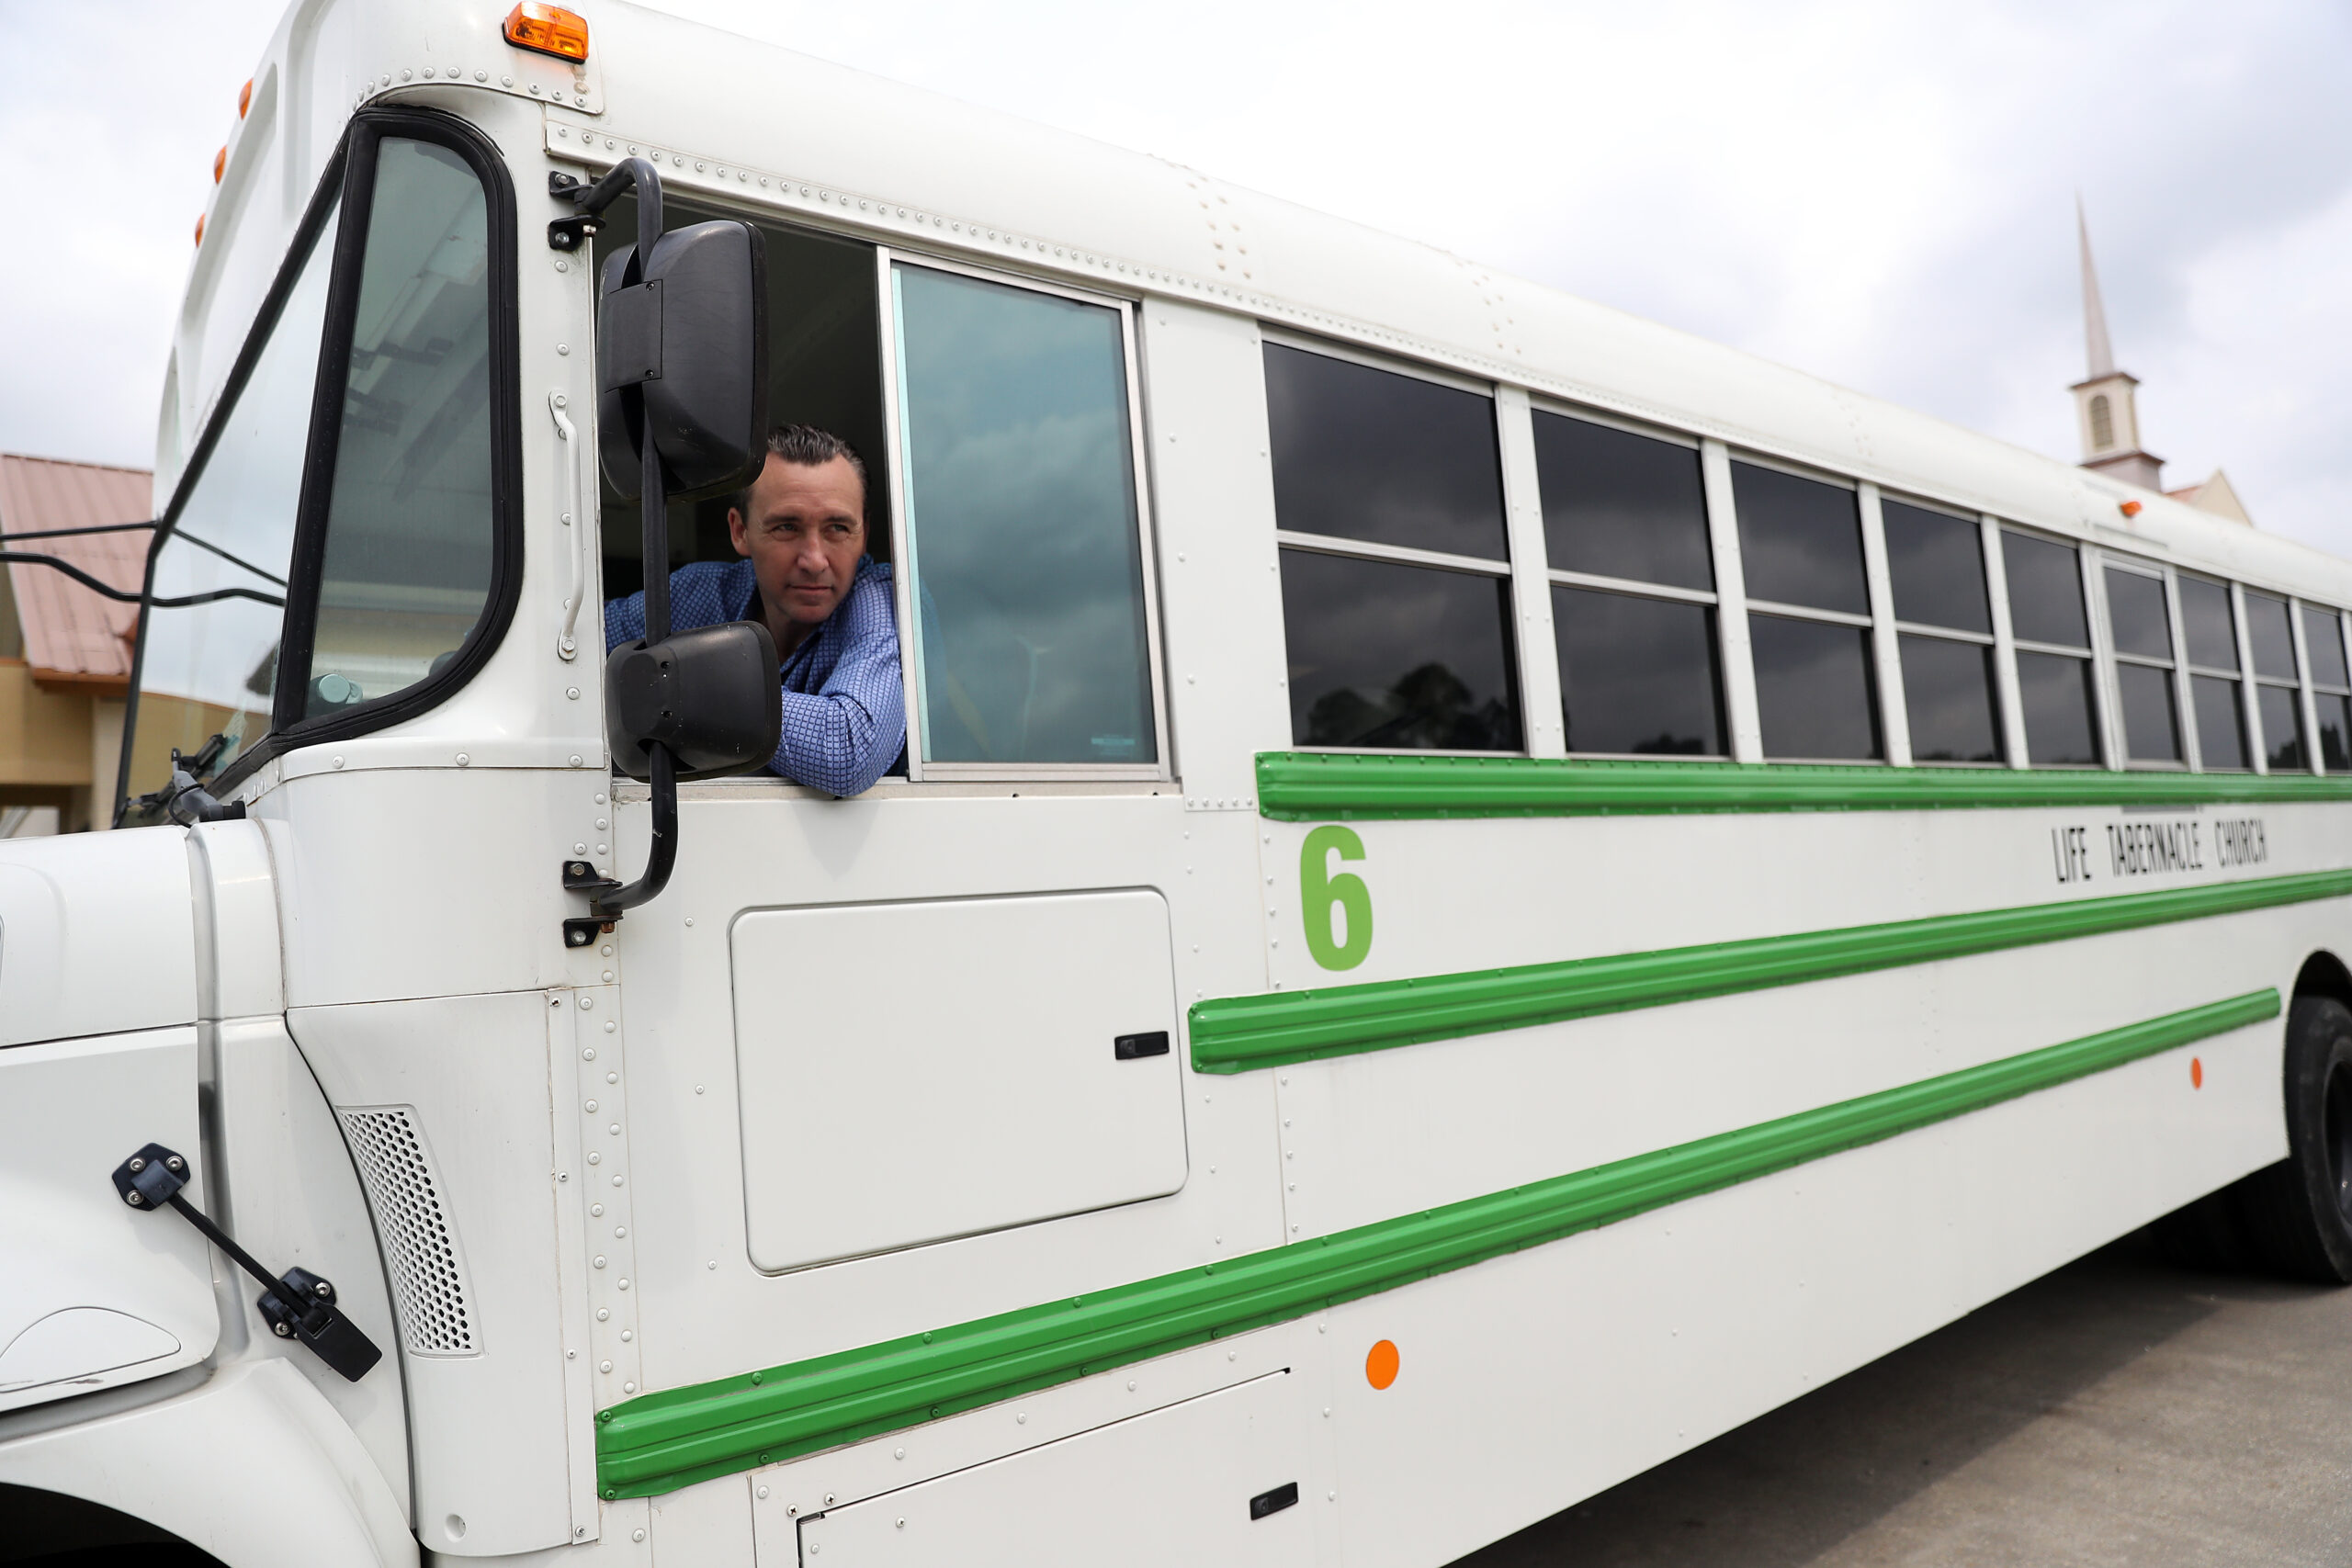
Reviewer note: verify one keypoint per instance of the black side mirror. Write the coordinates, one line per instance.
(682, 343)
(682, 346)
(710, 695)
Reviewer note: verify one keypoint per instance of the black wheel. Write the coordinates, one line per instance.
(2296, 1216)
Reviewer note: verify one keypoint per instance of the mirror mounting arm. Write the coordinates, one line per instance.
(589, 203)
(607, 901)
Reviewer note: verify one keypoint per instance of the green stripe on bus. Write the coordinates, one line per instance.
(659, 1442)
(1236, 1034)
(1314, 786)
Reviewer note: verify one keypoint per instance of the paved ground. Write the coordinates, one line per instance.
(2122, 1411)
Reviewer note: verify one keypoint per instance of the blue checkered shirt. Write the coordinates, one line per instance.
(844, 706)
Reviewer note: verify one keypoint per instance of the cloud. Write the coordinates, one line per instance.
(1881, 194)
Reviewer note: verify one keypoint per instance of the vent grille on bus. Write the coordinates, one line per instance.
(420, 1243)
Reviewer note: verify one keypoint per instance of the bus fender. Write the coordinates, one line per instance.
(253, 1465)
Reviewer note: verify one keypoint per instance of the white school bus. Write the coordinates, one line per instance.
(1480, 891)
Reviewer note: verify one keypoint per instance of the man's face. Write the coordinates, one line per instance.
(803, 538)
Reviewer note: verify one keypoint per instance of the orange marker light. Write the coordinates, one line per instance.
(2196, 1073)
(2130, 509)
(219, 161)
(1379, 1364)
(199, 228)
(244, 98)
(549, 29)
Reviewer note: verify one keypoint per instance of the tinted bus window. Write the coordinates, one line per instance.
(2143, 633)
(2217, 697)
(1935, 563)
(1366, 454)
(1936, 566)
(2056, 682)
(1801, 540)
(2331, 686)
(1377, 473)
(2045, 591)
(1638, 675)
(1391, 656)
(1815, 694)
(1618, 504)
(2277, 704)
(1639, 672)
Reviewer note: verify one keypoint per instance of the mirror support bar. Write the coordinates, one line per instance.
(605, 898)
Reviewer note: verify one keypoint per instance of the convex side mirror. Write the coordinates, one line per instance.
(710, 695)
(682, 341)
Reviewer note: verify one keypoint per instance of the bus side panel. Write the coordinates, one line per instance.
(1529, 1381)
(1395, 1132)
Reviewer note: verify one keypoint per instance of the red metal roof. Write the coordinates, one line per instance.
(73, 636)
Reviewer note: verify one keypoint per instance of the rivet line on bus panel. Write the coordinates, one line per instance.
(600, 1099)
(1513, 369)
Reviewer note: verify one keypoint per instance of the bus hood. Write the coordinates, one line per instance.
(97, 934)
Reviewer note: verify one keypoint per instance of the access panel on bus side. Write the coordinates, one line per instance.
(1221, 1479)
(914, 1071)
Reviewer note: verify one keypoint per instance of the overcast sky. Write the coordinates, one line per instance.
(1881, 194)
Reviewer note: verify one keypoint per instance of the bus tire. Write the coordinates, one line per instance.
(2298, 1213)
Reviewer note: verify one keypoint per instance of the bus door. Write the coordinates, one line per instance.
(946, 1008)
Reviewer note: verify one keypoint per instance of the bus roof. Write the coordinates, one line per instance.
(911, 167)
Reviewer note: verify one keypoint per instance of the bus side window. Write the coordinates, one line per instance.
(2053, 642)
(1632, 589)
(2277, 702)
(1935, 564)
(1801, 540)
(2217, 693)
(2331, 686)
(1032, 632)
(2144, 657)
(1388, 508)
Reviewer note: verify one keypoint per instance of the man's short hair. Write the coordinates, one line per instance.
(811, 448)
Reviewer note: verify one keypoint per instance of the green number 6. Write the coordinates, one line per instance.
(1324, 898)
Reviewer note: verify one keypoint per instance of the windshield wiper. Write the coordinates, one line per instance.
(184, 800)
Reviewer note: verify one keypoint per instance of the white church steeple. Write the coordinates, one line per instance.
(2103, 402)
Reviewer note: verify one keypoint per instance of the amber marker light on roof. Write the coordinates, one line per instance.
(219, 161)
(2130, 509)
(549, 29)
(199, 228)
(244, 98)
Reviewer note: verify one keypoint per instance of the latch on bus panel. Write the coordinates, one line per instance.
(298, 1305)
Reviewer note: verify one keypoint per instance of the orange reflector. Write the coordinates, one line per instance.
(199, 228)
(219, 161)
(549, 29)
(1379, 1364)
(2130, 509)
(2196, 1073)
(244, 98)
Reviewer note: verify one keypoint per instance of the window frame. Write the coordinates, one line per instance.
(2105, 722)
(1884, 719)
(1996, 612)
(2310, 689)
(1504, 570)
(1630, 587)
(902, 547)
(2115, 659)
(2300, 684)
(349, 176)
(2189, 670)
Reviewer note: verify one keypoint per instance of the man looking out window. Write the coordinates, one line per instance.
(805, 574)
